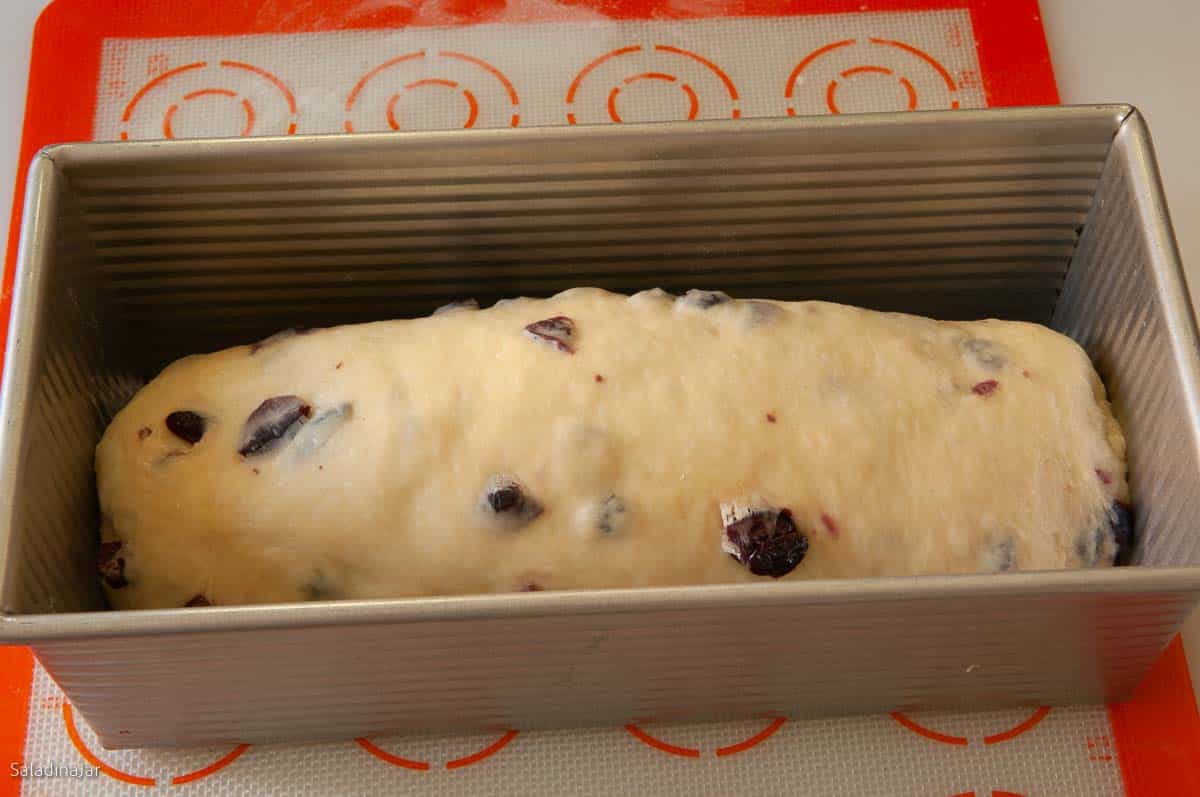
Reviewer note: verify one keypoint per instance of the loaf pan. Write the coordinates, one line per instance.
(134, 254)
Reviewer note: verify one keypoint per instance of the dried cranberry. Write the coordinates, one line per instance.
(760, 312)
(320, 587)
(110, 566)
(558, 332)
(276, 419)
(1089, 546)
(507, 501)
(611, 515)
(186, 425)
(704, 299)
(984, 353)
(1001, 557)
(767, 541)
(1112, 541)
(1121, 524)
(462, 304)
(197, 600)
(505, 498)
(985, 388)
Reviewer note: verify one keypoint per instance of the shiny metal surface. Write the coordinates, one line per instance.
(1142, 336)
(135, 254)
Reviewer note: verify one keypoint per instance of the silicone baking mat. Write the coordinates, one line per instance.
(149, 69)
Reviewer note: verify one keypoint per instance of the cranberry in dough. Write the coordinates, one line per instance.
(728, 441)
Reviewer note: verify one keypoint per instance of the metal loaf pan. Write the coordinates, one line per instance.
(134, 254)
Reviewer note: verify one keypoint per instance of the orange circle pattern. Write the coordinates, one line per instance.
(1022, 727)
(472, 103)
(500, 743)
(692, 752)
(912, 100)
(138, 780)
(247, 106)
(425, 766)
(688, 91)
(832, 87)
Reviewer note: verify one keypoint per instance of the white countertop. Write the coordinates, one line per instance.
(1144, 53)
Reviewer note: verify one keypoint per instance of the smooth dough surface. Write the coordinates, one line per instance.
(899, 445)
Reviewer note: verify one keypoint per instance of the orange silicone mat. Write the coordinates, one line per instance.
(145, 69)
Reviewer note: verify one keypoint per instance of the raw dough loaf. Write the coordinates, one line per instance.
(592, 440)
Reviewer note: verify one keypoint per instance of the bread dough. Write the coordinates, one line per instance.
(592, 440)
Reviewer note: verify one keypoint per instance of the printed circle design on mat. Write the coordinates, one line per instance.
(1020, 728)
(200, 99)
(432, 91)
(634, 83)
(420, 765)
(190, 776)
(742, 746)
(855, 75)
